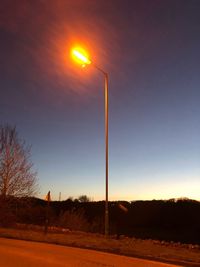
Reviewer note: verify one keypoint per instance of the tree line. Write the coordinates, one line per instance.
(171, 220)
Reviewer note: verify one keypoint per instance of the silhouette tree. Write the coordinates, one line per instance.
(83, 198)
(16, 176)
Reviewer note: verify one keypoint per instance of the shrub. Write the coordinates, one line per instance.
(74, 220)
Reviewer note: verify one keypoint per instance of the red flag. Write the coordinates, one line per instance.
(48, 197)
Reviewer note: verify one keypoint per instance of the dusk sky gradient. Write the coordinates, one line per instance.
(151, 51)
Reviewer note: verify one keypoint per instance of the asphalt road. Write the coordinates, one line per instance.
(19, 253)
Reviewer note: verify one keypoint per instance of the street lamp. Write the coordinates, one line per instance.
(81, 57)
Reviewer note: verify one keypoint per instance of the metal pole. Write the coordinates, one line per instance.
(106, 151)
(106, 146)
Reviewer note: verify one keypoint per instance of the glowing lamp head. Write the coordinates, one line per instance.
(80, 56)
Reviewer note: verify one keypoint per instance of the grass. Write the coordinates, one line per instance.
(185, 255)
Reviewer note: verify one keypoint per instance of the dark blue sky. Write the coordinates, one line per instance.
(150, 50)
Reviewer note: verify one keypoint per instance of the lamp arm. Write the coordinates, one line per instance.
(102, 71)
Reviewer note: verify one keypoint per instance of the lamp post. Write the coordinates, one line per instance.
(81, 57)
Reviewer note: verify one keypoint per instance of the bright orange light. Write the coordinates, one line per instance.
(80, 56)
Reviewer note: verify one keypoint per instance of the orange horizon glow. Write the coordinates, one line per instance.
(80, 56)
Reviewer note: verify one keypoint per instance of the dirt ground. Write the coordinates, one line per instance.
(182, 254)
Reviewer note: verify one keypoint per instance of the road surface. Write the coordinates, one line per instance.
(19, 253)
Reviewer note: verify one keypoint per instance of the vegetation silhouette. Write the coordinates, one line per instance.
(17, 177)
(171, 220)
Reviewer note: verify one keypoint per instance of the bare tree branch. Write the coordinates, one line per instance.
(16, 175)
